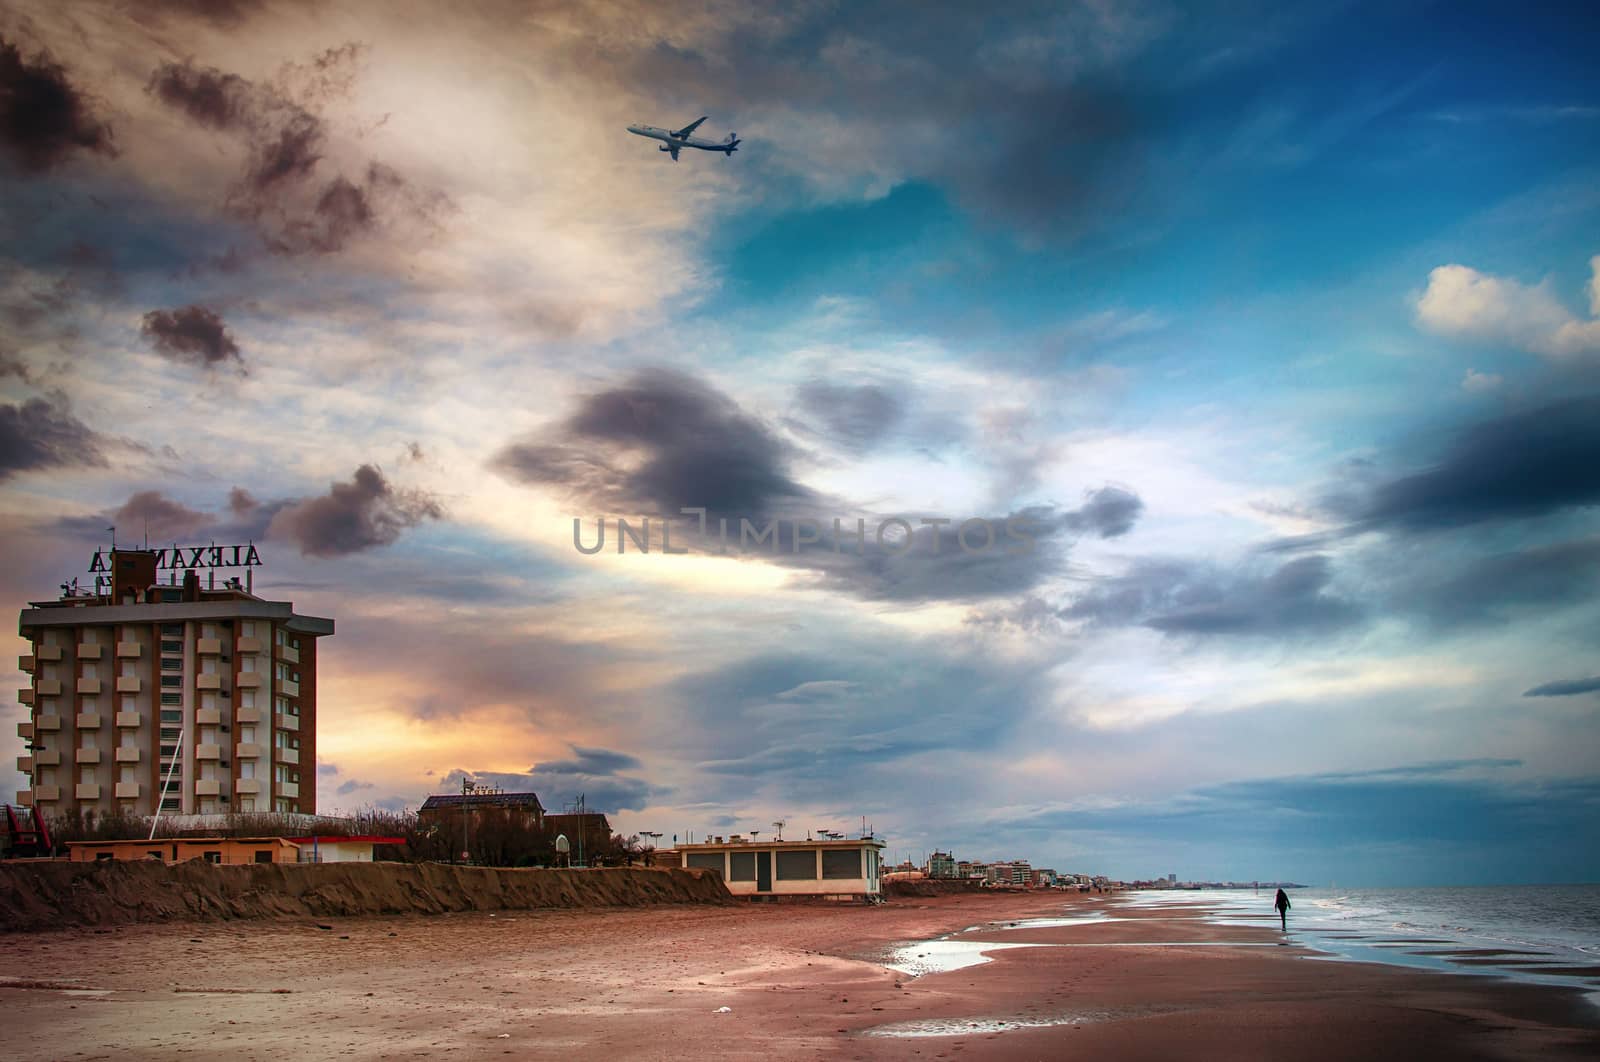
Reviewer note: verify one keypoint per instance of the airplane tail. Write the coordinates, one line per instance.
(732, 143)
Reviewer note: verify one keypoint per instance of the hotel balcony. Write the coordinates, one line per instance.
(249, 680)
(89, 650)
(89, 685)
(25, 797)
(208, 646)
(249, 715)
(27, 663)
(208, 752)
(87, 791)
(247, 751)
(47, 758)
(289, 756)
(128, 719)
(45, 794)
(207, 787)
(129, 650)
(25, 730)
(25, 696)
(247, 785)
(289, 789)
(48, 687)
(208, 717)
(288, 655)
(128, 684)
(89, 756)
(249, 645)
(89, 720)
(25, 764)
(212, 682)
(48, 722)
(48, 652)
(129, 754)
(289, 688)
(127, 790)
(286, 722)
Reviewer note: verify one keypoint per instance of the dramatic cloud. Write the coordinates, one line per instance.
(44, 119)
(43, 433)
(154, 515)
(1566, 688)
(296, 211)
(366, 512)
(1187, 597)
(853, 417)
(192, 335)
(1108, 513)
(1518, 466)
(1463, 303)
(1528, 583)
(598, 775)
(353, 786)
(660, 443)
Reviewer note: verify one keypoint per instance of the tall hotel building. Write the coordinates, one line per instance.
(203, 700)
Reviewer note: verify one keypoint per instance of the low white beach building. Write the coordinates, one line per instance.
(821, 869)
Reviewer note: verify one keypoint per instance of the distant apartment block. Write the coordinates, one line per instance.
(146, 693)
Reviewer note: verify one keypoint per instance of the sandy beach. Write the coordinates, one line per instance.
(798, 981)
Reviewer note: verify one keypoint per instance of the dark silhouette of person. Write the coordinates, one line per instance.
(1282, 904)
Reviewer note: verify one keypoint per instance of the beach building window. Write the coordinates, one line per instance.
(741, 866)
(841, 864)
(213, 857)
(264, 856)
(101, 857)
(706, 860)
(800, 865)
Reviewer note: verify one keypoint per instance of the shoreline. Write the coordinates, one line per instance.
(1116, 980)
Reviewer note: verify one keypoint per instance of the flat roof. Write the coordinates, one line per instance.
(146, 843)
(846, 843)
(360, 838)
(160, 611)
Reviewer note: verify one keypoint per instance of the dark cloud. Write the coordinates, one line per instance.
(153, 514)
(296, 210)
(853, 416)
(192, 335)
(367, 511)
(241, 503)
(1189, 597)
(353, 786)
(1519, 466)
(661, 442)
(44, 118)
(1521, 584)
(11, 365)
(1566, 688)
(218, 12)
(43, 433)
(1108, 512)
(595, 774)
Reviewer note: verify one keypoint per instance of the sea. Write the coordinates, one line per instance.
(1546, 934)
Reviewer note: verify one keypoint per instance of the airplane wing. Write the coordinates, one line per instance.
(691, 127)
(674, 149)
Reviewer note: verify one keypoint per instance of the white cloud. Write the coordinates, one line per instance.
(1463, 303)
(1481, 383)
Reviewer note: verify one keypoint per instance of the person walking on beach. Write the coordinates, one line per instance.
(1282, 904)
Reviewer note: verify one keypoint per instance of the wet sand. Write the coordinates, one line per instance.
(1130, 983)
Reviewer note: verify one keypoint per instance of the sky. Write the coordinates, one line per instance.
(1264, 340)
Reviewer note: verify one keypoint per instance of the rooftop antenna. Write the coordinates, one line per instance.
(778, 825)
(113, 531)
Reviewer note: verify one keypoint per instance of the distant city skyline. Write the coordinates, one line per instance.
(1282, 324)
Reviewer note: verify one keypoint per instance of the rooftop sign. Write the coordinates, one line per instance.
(184, 558)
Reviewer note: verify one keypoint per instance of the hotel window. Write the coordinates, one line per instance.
(129, 703)
(171, 804)
(280, 774)
(171, 681)
(90, 705)
(247, 698)
(172, 663)
(86, 776)
(172, 698)
(247, 804)
(278, 635)
(172, 630)
(91, 670)
(247, 768)
(86, 739)
(170, 717)
(247, 629)
(247, 735)
(171, 646)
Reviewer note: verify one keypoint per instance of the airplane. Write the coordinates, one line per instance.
(676, 141)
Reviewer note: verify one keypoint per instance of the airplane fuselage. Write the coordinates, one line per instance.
(673, 143)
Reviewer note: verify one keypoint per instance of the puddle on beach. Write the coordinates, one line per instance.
(942, 956)
(912, 1030)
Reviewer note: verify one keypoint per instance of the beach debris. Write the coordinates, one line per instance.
(321, 926)
(503, 1036)
(723, 1010)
